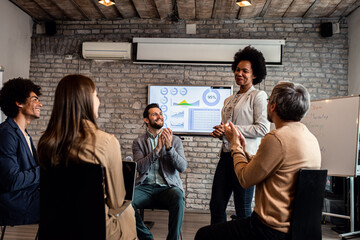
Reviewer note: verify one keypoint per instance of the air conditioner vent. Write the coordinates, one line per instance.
(106, 50)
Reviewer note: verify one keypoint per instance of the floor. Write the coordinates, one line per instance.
(192, 222)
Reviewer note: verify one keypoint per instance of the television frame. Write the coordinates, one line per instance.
(189, 133)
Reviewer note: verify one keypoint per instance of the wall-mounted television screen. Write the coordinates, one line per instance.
(190, 110)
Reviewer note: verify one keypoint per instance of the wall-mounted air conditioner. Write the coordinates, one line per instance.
(202, 51)
(106, 50)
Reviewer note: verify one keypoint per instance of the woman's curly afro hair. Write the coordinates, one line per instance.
(256, 59)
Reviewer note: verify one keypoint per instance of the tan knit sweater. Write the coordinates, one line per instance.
(273, 169)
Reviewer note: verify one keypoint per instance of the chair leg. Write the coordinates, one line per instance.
(37, 235)
(148, 224)
(142, 213)
(3, 228)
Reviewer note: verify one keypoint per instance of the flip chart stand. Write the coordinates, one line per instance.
(352, 212)
(323, 120)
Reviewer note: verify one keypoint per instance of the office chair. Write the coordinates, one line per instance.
(72, 202)
(308, 202)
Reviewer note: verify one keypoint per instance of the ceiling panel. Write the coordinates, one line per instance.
(277, 8)
(89, 8)
(44, 10)
(322, 8)
(186, 9)
(204, 9)
(225, 9)
(253, 11)
(298, 8)
(164, 7)
(71, 11)
(146, 8)
(33, 9)
(345, 7)
(126, 8)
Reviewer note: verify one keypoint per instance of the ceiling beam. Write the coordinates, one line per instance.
(265, 8)
(95, 4)
(351, 9)
(126, 8)
(313, 5)
(80, 10)
(288, 8)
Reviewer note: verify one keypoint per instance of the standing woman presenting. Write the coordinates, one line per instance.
(247, 110)
(72, 135)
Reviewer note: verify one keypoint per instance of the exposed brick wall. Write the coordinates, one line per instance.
(318, 63)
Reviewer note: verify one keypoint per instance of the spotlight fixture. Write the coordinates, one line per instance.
(243, 3)
(107, 2)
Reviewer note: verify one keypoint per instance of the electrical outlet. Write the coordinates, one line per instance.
(187, 138)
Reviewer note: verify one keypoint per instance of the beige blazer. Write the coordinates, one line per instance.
(250, 117)
(107, 152)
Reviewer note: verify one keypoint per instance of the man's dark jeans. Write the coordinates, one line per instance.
(247, 229)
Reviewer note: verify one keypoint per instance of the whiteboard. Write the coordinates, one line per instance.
(335, 123)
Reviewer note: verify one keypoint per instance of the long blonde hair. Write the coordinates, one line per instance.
(66, 130)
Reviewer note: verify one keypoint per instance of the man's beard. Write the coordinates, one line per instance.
(156, 126)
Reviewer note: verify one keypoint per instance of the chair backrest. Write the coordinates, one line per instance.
(308, 203)
(129, 173)
(72, 204)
